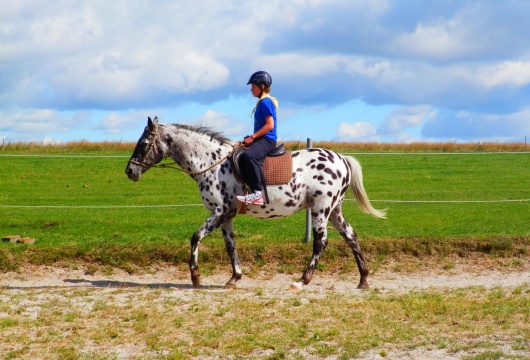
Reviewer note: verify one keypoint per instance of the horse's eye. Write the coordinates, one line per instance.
(145, 141)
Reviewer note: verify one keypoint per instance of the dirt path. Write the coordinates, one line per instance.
(383, 281)
(43, 282)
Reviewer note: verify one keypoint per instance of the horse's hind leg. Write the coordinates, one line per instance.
(320, 241)
(228, 235)
(341, 225)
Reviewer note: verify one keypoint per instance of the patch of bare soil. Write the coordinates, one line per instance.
(385, 280)
(170, 277)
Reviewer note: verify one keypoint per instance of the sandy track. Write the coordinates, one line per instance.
(43, 279)
(385, 281)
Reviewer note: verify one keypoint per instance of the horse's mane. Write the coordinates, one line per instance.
(206, 131)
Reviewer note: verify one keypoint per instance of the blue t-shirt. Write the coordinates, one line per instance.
(263, 110)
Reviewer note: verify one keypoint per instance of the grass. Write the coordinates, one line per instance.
(118, 147)
(85, 209)
(97, 224)
(136, 323)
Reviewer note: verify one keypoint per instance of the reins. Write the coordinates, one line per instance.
(170, 165)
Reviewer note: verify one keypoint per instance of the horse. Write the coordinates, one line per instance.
(320, 181)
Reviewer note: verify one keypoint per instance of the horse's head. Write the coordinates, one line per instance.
(147, 152)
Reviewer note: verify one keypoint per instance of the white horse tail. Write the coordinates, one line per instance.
(356, 185)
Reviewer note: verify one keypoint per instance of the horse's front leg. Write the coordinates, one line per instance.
(228, 235)
(212, 223)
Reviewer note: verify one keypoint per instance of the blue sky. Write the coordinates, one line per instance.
(343, 70)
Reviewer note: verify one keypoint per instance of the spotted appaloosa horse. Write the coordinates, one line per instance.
(320, 181)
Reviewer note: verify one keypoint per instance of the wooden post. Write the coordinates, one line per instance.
(308, 211)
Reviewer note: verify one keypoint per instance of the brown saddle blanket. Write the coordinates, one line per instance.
(277, 167)
(278, 170)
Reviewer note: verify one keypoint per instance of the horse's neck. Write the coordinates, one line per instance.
(195, 151)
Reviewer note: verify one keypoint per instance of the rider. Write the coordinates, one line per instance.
(262, 140)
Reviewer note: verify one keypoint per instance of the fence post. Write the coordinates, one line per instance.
(308, 211)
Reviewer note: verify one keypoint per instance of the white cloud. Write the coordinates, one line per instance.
(222, 123)
(440, 40)
(124, 77)
(359, 131)
(506, 73)
(39, 124)
(472, 126)
(39, 121)
(404, 118)
(305, 66)
(114, 123)
(109, 54)
(121, 57)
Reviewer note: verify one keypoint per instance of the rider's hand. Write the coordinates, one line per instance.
(248, 140)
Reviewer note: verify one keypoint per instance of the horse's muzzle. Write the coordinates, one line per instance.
(132, 173)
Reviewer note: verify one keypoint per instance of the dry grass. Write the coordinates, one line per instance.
(285, 257)
(84, 146)
(68, 147)
(141, 323)
(414, 147)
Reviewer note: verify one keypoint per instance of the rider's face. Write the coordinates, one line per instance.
(255, 90)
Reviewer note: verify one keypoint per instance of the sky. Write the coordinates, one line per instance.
(343, 70)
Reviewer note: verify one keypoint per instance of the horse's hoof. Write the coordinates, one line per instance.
(363, 286)
(196, 283)
(230, 286)
(296, 286)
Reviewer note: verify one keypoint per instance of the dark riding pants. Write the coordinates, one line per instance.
(249, 162)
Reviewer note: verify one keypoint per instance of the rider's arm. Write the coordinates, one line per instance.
(269, 125)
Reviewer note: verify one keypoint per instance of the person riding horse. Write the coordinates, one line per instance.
(262, 141)
(319, 182)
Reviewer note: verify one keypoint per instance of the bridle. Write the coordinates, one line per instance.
(153, 147)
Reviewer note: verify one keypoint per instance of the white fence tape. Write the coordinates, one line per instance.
(193, 205)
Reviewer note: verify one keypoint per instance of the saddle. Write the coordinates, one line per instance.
(277, 166)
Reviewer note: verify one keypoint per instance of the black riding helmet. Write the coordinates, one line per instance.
(260, 77)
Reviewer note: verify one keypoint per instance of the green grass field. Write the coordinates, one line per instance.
(84, 211)
(79, 205)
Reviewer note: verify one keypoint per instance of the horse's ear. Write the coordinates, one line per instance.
(152, 123)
